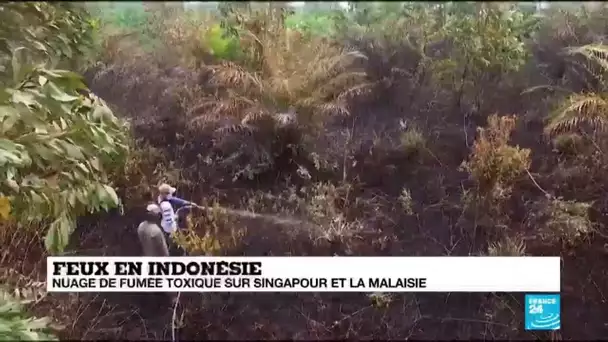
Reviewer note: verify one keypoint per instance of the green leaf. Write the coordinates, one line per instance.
(26, 98)
(44, 152)
(9, 158)
(58, 235)
(72, 150)
(8, 111)
(52, 240)
(9, 146)
(59, 94)
(83, 167)
(112, 194)
(17, 59)
(36, 199)
(72, 199)
(39, 46)
(57, 73)
(102, 113)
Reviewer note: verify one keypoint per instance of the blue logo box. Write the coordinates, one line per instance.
(543, 312)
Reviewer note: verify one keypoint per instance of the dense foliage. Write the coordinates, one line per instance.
(57, 141)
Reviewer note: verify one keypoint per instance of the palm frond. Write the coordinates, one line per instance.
(579, 110)
(206, 105)
(230, 130)
(548, 88)
(356, 91)
(337, 85)
(287, 70)
(597, 53)
(214, 110)
(254, 116)
(332, 66)
(333, 109)
(231, 75)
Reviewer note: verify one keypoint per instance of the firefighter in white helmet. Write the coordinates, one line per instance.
(169, 204)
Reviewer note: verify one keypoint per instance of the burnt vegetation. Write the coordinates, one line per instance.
(410, 129)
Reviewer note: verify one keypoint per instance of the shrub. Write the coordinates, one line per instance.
(221, 45)
(570, 144)
(130, 18)
(568, 222)
(494, 167)
(508, 246)
(412, 141)
(493, 164)
(196, 40)
(313, 24)
(372, 19)
(487, 40)
(213, 233)
(405, 199)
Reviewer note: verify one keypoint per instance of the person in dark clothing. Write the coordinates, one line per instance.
(153, 242)
(150, 234)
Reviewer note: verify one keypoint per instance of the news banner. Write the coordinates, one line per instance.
(303, 274)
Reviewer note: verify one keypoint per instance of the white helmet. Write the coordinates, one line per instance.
(153, 208)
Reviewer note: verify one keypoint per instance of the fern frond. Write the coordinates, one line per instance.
(597, 53)
(579, 109)
(204, 120)
(341, 84)
(205, 106)
(585, 73)
(214, 110)
(231, 75)
(548, 88)
(234, 106)
(230, 130)
(331, 67)
(358, 90)
(333, 109)
(254, 116)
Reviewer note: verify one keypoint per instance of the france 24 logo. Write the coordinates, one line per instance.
(543, 312)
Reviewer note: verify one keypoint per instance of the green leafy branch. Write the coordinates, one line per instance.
(16, 326)
(58, 142)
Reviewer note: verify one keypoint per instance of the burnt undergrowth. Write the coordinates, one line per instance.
(376, 170)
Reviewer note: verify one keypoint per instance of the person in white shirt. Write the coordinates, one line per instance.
(168, 219)
(166, 199)
(169, 222)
